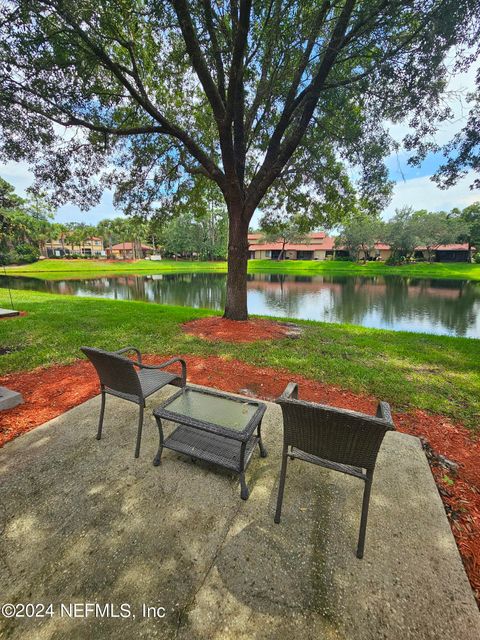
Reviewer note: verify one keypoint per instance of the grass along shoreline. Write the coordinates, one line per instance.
(50, 269)
(439, 374)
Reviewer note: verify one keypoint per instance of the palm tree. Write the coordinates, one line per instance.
(106, 229)
(63, 231)
(72, 234)
(120, 229)
(138, 231)
(84, 232)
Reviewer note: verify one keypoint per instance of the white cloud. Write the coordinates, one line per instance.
(17, 173)
(422, 193)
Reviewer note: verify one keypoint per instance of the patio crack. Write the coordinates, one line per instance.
(184, 611)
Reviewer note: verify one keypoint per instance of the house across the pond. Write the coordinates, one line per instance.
(318, 246)
(131, 250)
(67, 246)
(447, 253)
(381, 251)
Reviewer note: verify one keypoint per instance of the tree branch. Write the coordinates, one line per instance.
(292, 103)
(236, 90)
(170, 128)
(198, 61)
(207, 7)
(276, 156)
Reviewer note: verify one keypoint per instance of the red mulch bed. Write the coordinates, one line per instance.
(216, 328)
(49, 392)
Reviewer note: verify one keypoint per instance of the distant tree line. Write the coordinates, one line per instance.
(200, 230)
(409, 229)
(27, 225)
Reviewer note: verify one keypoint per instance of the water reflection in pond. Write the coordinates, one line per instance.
(449, 307)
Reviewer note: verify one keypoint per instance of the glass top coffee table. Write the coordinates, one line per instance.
(213, 426)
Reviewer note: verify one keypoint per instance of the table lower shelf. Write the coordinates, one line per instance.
(210, 447)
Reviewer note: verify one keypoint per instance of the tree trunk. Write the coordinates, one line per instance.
(236, 302)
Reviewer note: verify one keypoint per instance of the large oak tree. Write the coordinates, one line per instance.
(277, 102)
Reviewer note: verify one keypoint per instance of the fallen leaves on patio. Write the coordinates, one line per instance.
(49, 392)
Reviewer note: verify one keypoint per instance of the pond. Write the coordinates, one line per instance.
(449, 307)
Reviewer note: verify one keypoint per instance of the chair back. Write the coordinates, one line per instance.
(338, 435)
(115, 372)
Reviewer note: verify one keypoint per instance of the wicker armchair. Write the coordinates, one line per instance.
(337, 439)
(131, 380)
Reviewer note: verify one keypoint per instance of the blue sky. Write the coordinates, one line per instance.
(413, 185)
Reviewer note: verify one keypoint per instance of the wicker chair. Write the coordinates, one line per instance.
(131, 380)
(337, 439)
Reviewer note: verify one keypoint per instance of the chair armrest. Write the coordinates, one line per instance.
(384, 412)
(291, 391)
(166, 364)
(126, 349)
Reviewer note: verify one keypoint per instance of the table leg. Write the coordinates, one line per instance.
(157, 459)
(244, 492)
(263, 450)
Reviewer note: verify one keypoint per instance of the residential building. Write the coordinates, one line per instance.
(447, 253)
(90, 247)
(441, 253)
(318, 246)
(130, 250)
(381, 251)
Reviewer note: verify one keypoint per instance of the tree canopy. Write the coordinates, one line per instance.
(273, 101)
(470, 224)
(283, 229)
(24, 225)
(409, 229)
(360, 235)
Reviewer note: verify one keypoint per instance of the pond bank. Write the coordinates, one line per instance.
(455, 270)
(428, 305)
(434, 373)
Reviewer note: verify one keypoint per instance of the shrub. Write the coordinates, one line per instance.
(27, 253)
(22, 254)
(476, 258)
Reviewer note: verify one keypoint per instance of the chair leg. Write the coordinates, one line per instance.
(281, 487)
(363, 520)
(139, 432)
(102, 413)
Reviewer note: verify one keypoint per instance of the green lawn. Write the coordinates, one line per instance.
(436, 373)
(62, 268)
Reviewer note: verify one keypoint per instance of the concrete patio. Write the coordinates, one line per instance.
(83, 521)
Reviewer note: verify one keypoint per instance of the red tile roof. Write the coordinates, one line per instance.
(127, 246)
(447, 247)
(326, 245)
(288, 247)
(315, 235)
